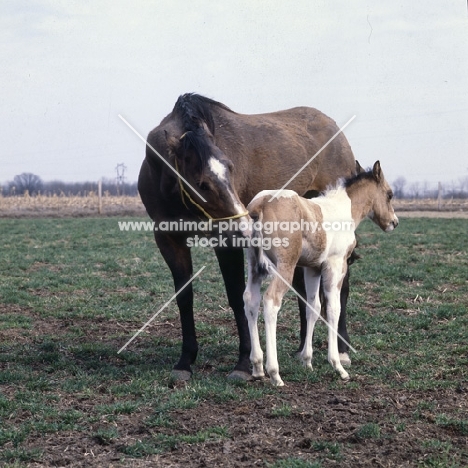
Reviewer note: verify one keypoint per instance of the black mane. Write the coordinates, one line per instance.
(195, 111)
(367, 175)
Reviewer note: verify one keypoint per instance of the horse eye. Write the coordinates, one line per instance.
(204, 186)
(390, 195)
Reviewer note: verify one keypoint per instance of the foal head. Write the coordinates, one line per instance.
(382, 210)
(380, 195)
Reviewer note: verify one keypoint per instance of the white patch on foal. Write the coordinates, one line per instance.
(282, 194)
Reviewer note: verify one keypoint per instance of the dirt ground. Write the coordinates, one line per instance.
(433, 214)
(319, 420)
(257, 438)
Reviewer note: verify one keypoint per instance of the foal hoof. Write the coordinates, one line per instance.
(344, 376)
(345, 359)
(240, 375)
(180, 375)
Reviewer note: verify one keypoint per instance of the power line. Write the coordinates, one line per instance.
(120, 179)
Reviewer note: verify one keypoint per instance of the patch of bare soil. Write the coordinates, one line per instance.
(433, 214)
(431, 204)
(321, 424)
(320, 420)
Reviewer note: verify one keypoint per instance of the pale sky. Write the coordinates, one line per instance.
(68, 68)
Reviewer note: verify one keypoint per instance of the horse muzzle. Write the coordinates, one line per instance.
(392, 225)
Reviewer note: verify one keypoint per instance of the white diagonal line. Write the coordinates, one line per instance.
(160, 157)
(161, 309)
(275, 271)
(312, 158)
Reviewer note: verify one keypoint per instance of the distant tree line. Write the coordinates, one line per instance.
(33, 185)
(415, 190)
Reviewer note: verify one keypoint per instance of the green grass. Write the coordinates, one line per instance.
(73, 291)
(368, 431)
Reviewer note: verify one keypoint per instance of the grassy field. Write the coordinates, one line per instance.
(73, 291)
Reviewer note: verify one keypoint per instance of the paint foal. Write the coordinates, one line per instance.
(322, 253)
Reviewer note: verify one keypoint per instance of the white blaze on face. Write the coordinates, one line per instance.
(218, 169)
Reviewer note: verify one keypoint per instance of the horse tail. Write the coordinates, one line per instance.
(262, 265)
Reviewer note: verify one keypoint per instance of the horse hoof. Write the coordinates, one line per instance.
(345, 359)
(345, 377)
(240, 375)
(278, 383)
(180, 375)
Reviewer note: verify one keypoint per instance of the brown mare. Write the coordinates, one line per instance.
(321, 246)
(228, 158)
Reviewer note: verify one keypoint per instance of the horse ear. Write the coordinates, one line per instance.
(173, 142)
(359, 168)
(377, 171)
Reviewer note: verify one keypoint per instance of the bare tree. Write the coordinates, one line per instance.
(463, 184)
(33, 184)
(27, 182)
(399, 187)
(415, 190)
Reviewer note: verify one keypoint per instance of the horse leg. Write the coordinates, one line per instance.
(312, 283)
(231, 263)
(299, 286)
(252, 297)
(343, 347)
(333, 276)
(271, 304)
(177, 256)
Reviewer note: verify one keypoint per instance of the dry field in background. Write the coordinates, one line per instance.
(64, 206)
(77, 206)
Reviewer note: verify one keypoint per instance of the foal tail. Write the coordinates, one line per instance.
(261, 264)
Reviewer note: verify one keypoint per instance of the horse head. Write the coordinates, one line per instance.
(382, 212)
(205, 175)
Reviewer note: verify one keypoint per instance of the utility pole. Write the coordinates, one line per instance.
(120, 169)
(439, 196)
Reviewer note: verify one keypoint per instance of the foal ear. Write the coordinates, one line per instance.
(359, 168)
(377, 171)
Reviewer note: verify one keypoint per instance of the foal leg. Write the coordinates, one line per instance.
(252, 298)
(343, 347)
(312, 283)
(299, 286)
(271, 305)
(333, 275)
